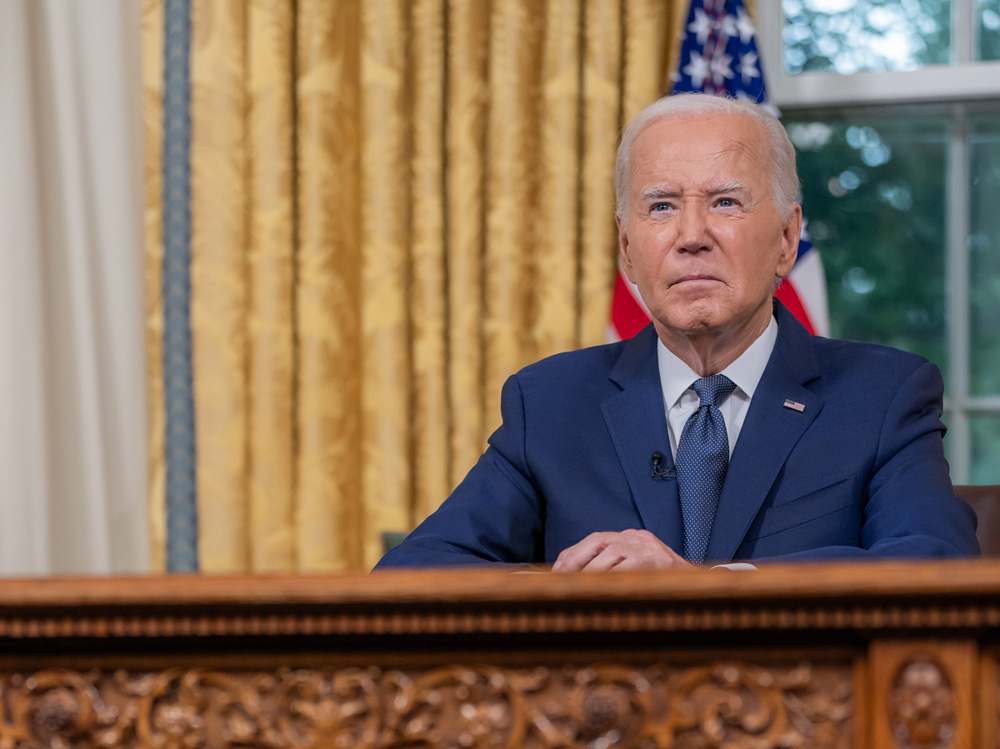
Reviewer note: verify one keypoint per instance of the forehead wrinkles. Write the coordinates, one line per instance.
(733, 167)
(749, 150)
(741, 156)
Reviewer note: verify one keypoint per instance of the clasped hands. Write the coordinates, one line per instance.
(618, 550)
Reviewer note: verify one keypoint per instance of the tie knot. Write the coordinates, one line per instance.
(713, 389)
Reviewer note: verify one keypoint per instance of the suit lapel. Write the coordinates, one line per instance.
(638, 426)
(770, 432)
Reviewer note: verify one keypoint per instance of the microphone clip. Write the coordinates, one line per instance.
(658, 471)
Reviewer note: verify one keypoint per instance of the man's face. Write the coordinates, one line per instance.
(703, 240)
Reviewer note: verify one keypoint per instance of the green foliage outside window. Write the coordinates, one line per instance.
(846, 36)
(872, 193)
(989, 30)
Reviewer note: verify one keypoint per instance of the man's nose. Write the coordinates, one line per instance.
(692, 228)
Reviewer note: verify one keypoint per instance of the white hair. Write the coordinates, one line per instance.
(784, 178)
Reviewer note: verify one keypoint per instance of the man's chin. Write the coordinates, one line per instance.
(690, 323)
(695, 313)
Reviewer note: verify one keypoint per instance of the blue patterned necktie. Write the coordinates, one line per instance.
(702, 460)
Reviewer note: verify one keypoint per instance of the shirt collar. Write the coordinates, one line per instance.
(676, 376)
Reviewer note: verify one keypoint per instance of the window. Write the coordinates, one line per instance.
(894, 107)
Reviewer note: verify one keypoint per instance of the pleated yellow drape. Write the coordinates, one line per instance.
(152, 103)
(395, 205)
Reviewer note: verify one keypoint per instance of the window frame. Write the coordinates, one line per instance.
(959, 90)
(963, 80)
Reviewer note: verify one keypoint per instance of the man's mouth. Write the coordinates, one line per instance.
(694, 277)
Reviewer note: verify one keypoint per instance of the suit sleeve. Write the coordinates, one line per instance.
(910, 508)
(495, 516)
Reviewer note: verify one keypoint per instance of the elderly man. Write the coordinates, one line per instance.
(723, 431)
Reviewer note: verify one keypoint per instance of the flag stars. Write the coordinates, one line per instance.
(698, 69)
(721, 68)
(701, 26)
(748, 67)
(744, 26)
(729, 29)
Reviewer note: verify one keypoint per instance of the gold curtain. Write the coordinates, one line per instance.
(395, 205)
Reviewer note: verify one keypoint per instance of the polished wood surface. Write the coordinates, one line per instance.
(869, 655)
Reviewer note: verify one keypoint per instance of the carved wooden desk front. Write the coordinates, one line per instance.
(889, 655)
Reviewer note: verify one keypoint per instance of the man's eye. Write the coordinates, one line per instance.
(726, 203)
(660, 207)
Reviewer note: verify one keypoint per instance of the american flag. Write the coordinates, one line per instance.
(719, 56)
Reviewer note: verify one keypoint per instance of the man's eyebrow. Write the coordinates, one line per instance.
(734, 186)
(657, 193)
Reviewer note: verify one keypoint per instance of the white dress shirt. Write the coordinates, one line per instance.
(681, 401)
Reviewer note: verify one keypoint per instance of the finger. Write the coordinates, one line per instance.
(573, 558)
(635, 551)
(609, 559)
(648, 561)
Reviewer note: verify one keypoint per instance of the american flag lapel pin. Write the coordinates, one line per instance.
(794, 405)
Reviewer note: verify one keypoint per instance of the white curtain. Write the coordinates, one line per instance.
(72, 403)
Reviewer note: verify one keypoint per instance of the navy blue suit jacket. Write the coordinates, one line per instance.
(858, 473)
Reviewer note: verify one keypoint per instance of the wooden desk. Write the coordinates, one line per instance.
(889, 655)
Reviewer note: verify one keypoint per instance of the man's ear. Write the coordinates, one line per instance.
(623, 249)
(790, 234)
